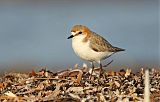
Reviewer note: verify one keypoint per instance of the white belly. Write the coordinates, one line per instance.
(83, 50)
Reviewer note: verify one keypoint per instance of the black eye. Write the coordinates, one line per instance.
(80, 33)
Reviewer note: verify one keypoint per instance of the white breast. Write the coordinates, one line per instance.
(83, 50)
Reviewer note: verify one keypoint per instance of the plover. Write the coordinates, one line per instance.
(90, 46)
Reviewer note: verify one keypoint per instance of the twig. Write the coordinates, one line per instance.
(108, 64)
(46, 79)
(147, 87)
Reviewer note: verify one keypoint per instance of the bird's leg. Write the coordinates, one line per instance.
(100, 72)
(92, 70)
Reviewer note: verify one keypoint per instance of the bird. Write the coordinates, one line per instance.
(90, 46)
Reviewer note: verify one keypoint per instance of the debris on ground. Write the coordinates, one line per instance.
(75, 85)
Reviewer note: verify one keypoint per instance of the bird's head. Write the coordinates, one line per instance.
(79, 30)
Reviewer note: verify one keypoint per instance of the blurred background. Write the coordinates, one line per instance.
(34, 32)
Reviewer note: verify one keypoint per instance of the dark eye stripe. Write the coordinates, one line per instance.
(80, 33)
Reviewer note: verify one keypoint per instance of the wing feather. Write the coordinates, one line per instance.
(99, 44)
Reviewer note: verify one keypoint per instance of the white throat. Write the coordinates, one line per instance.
(78, 38)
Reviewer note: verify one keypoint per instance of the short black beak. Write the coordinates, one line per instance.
(70, 37)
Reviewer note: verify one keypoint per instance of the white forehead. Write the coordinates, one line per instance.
(73, 33)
